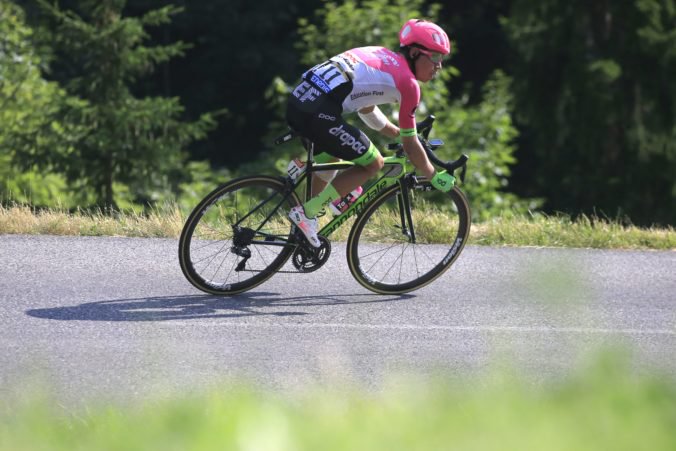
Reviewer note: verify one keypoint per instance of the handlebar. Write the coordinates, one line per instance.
(424, 128)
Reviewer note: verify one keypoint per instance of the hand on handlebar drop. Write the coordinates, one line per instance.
(443, 181)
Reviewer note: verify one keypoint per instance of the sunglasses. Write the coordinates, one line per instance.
(435, 57)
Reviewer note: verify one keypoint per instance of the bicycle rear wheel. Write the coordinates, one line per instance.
(389, 252)
(238, 236)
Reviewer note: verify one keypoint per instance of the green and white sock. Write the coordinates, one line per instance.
(315, 205)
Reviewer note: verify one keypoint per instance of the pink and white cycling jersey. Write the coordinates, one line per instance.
(378, 75)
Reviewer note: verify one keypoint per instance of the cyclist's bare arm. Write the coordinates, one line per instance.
(417, 156)
(390, 130)
(412, 146)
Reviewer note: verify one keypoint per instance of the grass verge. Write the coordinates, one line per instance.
(536, 230)
(604, 408)
(160, 223)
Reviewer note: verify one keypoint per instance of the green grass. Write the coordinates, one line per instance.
(604, 408)
(562, 231)
(534, 230)
(160, 223)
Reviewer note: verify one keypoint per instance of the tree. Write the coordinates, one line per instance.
(481, 46)
(34, 117)
(240, 46)
(484, 131)
(135, 142)
(596, 94)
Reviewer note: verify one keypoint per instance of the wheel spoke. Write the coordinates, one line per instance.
(388, 262)
(215, 255)
(365, 256)
(208, 253)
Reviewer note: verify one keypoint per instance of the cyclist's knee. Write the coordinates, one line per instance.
(370, 157)
(376, 165)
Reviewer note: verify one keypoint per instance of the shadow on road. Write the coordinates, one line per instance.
(166, 308)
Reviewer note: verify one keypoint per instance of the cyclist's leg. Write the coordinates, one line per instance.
(311, 114)
(366, 166)
(347, 142)
(323, 178)
(307, 113)
(319, 119)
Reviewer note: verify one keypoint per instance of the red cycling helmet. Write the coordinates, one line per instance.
(425, 34)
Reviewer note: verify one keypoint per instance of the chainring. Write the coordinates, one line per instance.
(307, 258)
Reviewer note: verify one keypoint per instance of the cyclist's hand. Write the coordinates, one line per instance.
(443, 181)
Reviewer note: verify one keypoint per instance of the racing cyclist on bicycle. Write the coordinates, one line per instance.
(359, 80)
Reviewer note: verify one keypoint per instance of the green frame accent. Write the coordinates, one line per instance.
(382, 183)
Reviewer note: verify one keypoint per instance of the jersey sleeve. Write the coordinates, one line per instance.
(410, 98)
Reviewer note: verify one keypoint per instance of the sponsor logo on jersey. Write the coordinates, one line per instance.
(327, 117)
(347, 62)
(350, 58)
(305, 92)
(387, 58)
(321, 84)
(346, 139)
(359, 95)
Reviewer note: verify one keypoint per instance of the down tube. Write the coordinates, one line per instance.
(356, 208)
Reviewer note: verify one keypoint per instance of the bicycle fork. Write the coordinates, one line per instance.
(404, 202)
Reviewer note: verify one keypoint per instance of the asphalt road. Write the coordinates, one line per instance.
(114, 319)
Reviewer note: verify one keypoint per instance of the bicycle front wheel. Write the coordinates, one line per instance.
(390, 251)
(238, 236)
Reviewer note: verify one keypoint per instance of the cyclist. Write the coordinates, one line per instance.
(359, 80)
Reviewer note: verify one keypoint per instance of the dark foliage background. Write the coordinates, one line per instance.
(593, 85)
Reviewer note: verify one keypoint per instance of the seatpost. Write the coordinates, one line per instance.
(310, 147)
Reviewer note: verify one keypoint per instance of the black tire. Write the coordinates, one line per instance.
(384, 260)
(208, 256)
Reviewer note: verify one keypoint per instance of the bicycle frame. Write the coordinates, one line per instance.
(394, 168)
(255, 209)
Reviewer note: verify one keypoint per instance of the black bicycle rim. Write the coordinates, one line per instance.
(382, 255)
(209, 254)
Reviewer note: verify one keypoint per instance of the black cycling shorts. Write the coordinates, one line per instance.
(318, 117)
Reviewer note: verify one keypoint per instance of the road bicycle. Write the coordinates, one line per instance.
(239, 235)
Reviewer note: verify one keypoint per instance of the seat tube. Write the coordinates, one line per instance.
(308, 170)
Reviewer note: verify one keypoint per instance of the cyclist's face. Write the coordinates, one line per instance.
(425, 67)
